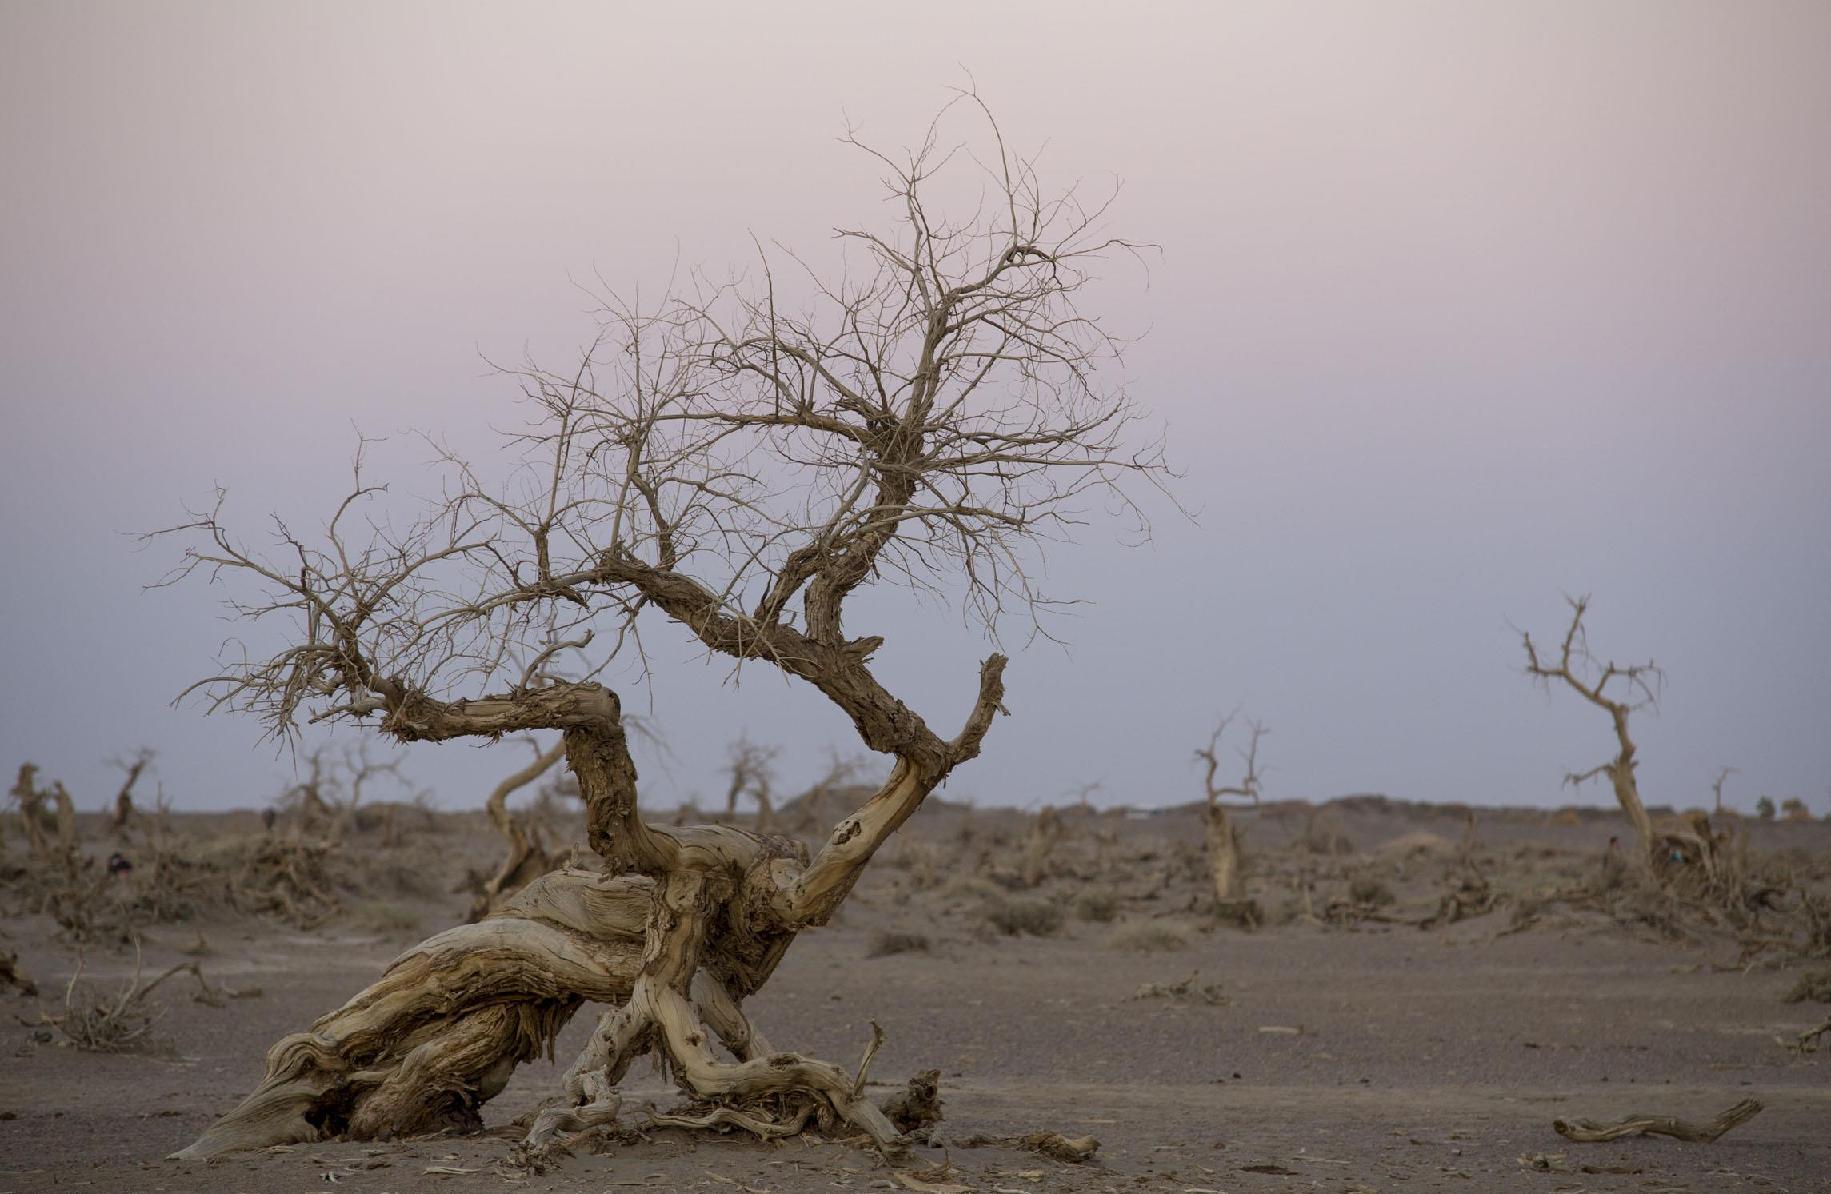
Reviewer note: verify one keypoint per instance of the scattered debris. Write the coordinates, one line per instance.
(1186, 990)
(1054, 1145)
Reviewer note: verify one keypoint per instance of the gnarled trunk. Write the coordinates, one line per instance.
(683, 924)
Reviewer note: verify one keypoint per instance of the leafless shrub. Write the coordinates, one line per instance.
(1370, 890)
(122, 1020)
(885, 943)
(1322, 834)
(1024, 917)
(1148, 936)
(1098, 905)
(1814, 986)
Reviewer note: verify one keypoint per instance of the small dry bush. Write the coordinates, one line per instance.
(970, 890)
(122, 1020)
(885, 944)
(1148, 936)
(1322, 834)
(1098, 905)
(1370, 890)
(1814, 987)
(1035, 918)
(384, 917)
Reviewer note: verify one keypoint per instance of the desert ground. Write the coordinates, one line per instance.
(1067, 974)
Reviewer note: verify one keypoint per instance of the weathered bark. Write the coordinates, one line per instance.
(683, 925)
(441, 1031)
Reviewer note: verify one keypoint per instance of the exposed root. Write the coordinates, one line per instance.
(443, 1029)
(1589, 1131)
(764, 1126)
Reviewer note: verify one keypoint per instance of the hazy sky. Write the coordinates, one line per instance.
(1459, 306)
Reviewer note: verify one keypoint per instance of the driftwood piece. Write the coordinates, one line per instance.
(1589, 1131)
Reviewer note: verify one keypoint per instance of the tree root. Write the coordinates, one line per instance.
(1589, 1131)
(443, 1029)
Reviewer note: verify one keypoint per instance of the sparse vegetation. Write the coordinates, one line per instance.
(1147, 936)
(1018, 917)
(1814, 986)
(886, 943)
(1097, 905)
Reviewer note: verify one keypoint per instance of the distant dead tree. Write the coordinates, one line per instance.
(1223, 835)
(358, 771)
(739, 460)
(37, 806)
(1616, 689)
(133, 765)
(1045, 834)
(810, 808)
(527, 857)
(750, 770)
(1716, 788)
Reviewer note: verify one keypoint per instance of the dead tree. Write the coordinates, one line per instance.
(1045, 833)
(740, 460)
(527, 858)
(751, 771)
(124, 799)
(1716, 788)
(1223, 835)
(36, 805)
(810, 808)
(1616, 689)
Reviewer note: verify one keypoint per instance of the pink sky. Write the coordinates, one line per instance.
(1458, 306)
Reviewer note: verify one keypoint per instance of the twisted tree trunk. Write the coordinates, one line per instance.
(682, 925)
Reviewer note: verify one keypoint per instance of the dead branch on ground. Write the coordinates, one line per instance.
(1589, 1131)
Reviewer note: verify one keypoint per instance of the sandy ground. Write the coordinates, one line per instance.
(1375, 1057)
